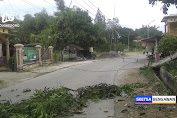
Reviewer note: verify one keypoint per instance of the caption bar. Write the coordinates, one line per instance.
(155, 99)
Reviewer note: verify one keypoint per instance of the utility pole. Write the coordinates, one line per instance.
(111, 40)
(128, 40)
(148, 28)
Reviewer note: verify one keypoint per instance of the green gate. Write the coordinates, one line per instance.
(29, 55)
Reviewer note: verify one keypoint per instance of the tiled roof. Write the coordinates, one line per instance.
(168, 17)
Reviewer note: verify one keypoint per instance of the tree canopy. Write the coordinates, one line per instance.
(75, 26)
(167, 4)
(168, 44)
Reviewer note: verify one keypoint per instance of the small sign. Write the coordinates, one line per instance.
(155, 100)
(6, 17)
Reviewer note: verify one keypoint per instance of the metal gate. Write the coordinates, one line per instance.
(29, 54)
(45, 54)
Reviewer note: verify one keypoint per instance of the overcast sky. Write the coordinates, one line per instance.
(131, 13)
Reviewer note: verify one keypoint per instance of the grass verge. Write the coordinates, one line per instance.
(154, 82)
(1, 81)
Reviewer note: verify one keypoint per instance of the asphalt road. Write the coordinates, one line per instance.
(87, 74)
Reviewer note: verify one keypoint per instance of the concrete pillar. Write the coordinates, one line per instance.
(51, 53)
(38, 54)
(7, 52)
(19, 56)
(156, 51)
(1, 50)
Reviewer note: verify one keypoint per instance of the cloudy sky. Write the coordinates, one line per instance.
(131, 13)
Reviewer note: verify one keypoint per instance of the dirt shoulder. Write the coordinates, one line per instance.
(126, 108)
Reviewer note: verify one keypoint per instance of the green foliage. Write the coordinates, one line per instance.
(172, 67)
(60, 5)
(153, 31)
(166, 3)
(26, 90)
(120, 46)
(32, 44)
(11, 63)
(49, 103)
(1, 81)
(76, 27)
(153, 80)
(56, 57)
(168, 44)
(45, 104)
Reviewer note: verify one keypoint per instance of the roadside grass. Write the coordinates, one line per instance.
(134, 52)
(154, 81)
(26, 90)
(49, 103)
(1, 81)
(97, 53)
(171, 67)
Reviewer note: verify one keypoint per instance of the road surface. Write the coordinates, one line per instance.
(87, 74)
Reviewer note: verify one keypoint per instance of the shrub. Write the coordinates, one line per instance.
(168, 44)
(56, 56)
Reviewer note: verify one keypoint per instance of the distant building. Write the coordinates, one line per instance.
(170, 24)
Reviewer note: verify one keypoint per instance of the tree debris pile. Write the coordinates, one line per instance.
(49, 103)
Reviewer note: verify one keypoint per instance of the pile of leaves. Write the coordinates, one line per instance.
(49, 103)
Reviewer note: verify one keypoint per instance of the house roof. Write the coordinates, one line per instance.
(168, 17)
(152, 39)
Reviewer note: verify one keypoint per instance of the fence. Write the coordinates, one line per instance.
(29, 55)
(45, 54)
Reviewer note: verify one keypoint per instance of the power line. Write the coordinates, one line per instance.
(93, 4)
(89, 6)
(14, 7)
(84, 7)
(97, 8)
(29, 3)
(49, 3)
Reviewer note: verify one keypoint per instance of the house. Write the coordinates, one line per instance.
(4, 44)
(170, 24)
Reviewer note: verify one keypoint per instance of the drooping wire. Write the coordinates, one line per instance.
(31, 4)
(84, 8)
(49, 3)
(89, 6)
(99, 9)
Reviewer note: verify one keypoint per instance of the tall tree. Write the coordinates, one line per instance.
(60, 5)
(100, 18)
(41, 21)
(153, 31)
(75, 26)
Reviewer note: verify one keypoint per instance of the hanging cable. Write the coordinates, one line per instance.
(49, 3)
(29, 3)
(84, 7)
(93, 4)
(89, 6)
(97, 8)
